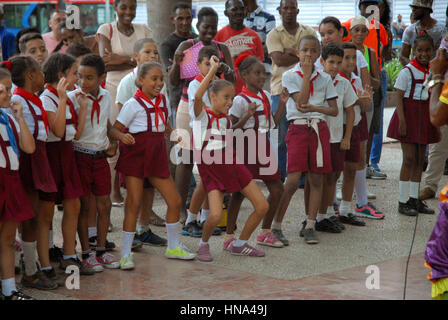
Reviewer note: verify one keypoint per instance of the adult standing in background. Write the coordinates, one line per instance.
(8, 39)
(116, 43)
(398, 27)
(282, 44)
(53, 38)
(181, 18)
(421, 13)
(239, 38)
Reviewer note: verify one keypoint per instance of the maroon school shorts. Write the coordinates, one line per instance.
(337, 157)
(94, 174)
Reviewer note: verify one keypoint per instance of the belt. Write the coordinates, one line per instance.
(312, 122)
(90, 153)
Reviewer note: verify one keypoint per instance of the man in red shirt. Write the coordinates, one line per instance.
(239, 38)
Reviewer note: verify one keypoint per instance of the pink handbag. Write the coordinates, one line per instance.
(188, 67)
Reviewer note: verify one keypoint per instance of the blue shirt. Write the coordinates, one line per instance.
(8, 43)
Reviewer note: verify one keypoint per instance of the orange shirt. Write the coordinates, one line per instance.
(371, 40)
(444, 95)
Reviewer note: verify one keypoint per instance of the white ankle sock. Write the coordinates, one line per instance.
(29, 257)
(404, 191)
(142, 229)
(276, 225)
(240, 243)
(310, 224)
(172, 230)
(413, 190)
(128, 238)
(70, 256)
(204, 214)
(92, 232)
(191, 217)
(8, 286)
(202, 242)
(345, 208)
(361, 188)
(50, 239)
(321, 216)
(330, 211)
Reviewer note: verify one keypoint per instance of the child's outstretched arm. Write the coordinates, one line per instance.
(57, 121)
(26, 139)
(214, 61)
(284, 96)
(345, 143)
(83, 103)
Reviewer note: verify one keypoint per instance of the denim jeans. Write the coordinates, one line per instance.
(282, 130)
(377, 143)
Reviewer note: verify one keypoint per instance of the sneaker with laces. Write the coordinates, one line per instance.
(310, 236)
(280, 236)
(246, 250)
(406, 209)
(227, 245)
(51, 274)
(420, 206)
(368, 211)
(192, 229)
(150, 238)
(16, 295)
(204, 253)
(38, 281)
(83, 269)
(336, 221)
(127, 263)
(93, 243)
(269, 239)
(371, 173)
(92, 263)
(108, 261)
(216, 232)
(326, 225)
(351, 219)
(136, 244)
(179, 253)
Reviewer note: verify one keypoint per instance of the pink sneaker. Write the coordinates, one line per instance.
(108, 261)
(92, 263)
(204, 253)
(246, 250)
(228, 243)
(269, 239)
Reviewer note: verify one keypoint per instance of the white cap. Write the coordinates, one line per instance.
(359, 20)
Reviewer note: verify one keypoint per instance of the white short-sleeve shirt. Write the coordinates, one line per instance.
(94, 135)
(192, 89)
(50, 103)
(241, 106)
(323, 90)
(404, 83)
(13, 159)
(134, 117)
(200, 124)
(28, 117)
(346, 98)
(361, 62)
(126, 88)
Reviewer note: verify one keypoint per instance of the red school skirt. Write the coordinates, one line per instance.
(259, 157)
(225, 177)
(418, 124)
(146, 158)
(14, 203)
(61, 157)
(35, 171)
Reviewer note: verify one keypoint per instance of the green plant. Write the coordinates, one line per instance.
(392, 68)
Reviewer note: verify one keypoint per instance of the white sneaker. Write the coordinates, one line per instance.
(127, 263)
(92, 263)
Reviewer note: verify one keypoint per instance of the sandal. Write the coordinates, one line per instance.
(155, 220)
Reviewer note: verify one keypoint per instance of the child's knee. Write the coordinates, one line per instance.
(408, 161)
(104, 204)
(276, 192)
(214, 218)
(262, 207)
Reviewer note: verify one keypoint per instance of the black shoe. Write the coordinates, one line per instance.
(150, 238)
(406, 209)
(193, 229)
(326, 225)
(336, 221)
(351, 219)
(16, 295)
(216, 232)
(38, 281)
(93, 243)
(310, 236)
(301, 234)
(56, 254)
(51, 274)
(420, 206)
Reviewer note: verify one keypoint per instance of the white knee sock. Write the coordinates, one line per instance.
(361, 188)
(345, 208)
(413, 189)
(172, 230)
(92, 232)
(29, 257)
(404, 191)
(8, 286)
(204, 214)
(190, 217)
(128, 238)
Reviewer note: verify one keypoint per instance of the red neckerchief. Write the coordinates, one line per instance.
(157, 110)
(264, 99)
(336, 83)
(95, 107)
(419, 67)
(215, 116)
(199, 77)
(311, 83)
(69, 102)
(352, 81)
(34, 100)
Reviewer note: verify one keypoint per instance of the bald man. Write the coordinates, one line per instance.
(53, 38)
